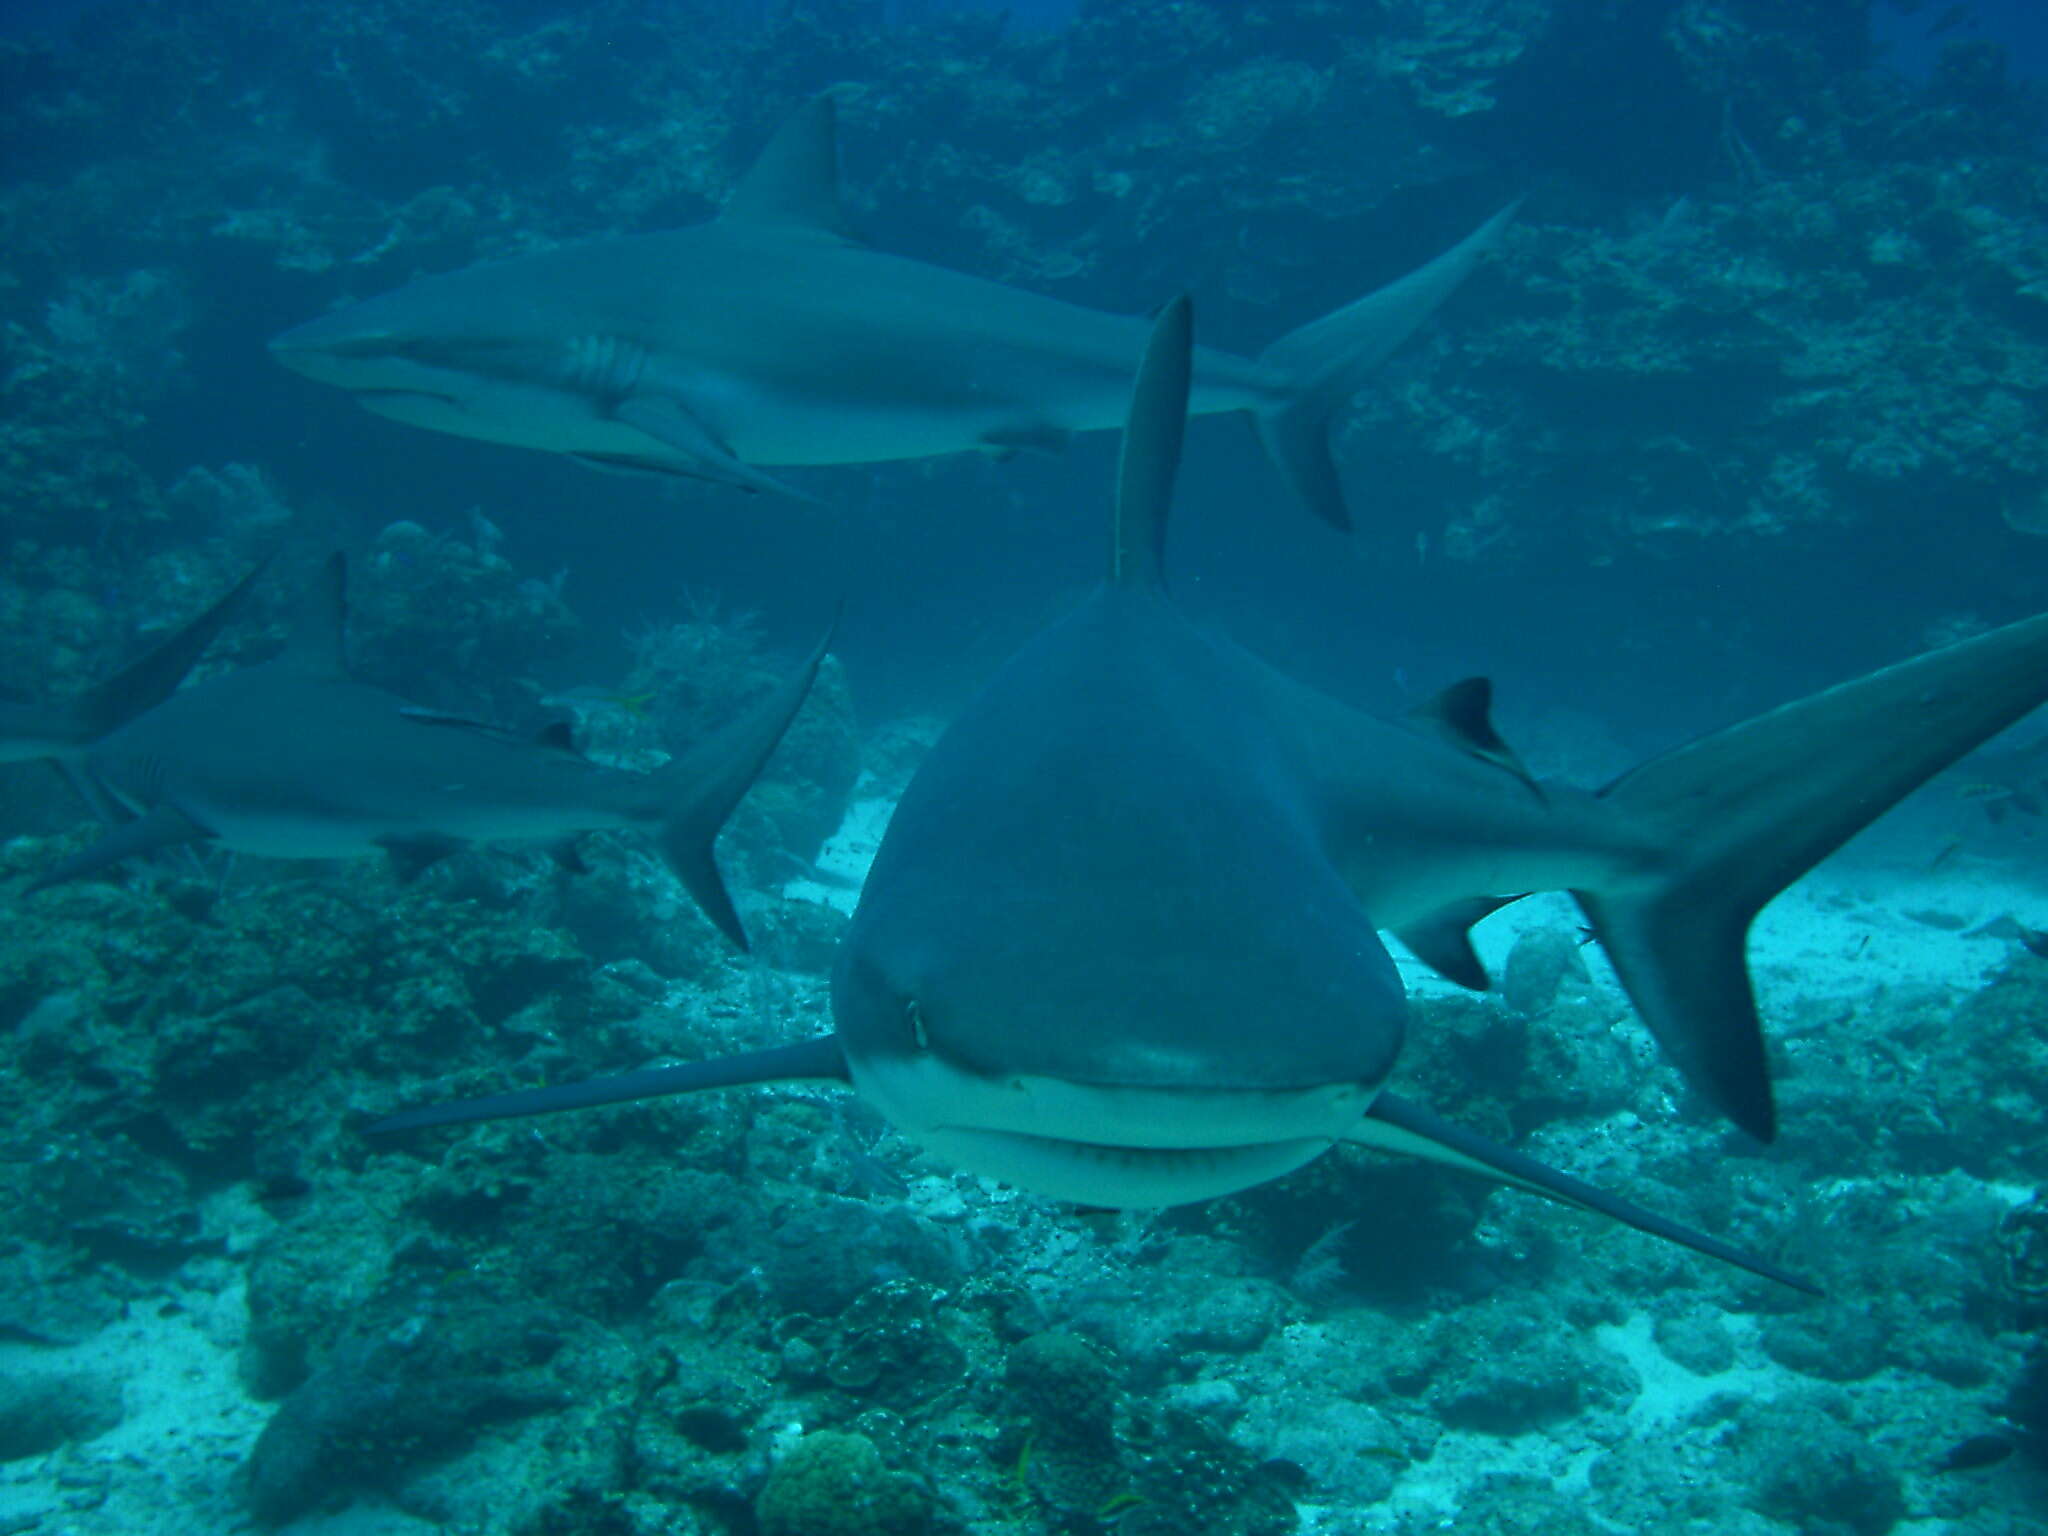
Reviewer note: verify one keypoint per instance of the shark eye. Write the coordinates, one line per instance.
(914, 1016)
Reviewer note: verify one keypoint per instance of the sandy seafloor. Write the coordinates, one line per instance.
(1874, 920)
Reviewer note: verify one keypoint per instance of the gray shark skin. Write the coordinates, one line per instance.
(62, 729)
(294, 759)
(770, 336)
(1121, 942)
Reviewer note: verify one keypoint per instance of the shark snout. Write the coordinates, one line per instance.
(323, 349)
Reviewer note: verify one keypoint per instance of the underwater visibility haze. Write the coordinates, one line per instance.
(1605, 462)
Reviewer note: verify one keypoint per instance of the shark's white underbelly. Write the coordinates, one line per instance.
(314, 834)
(1110, 1146)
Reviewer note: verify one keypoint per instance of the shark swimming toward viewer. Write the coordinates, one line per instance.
(1120, 944)
(771, 336)
(293, 758)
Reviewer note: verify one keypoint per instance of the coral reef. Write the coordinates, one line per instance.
(1761, 299)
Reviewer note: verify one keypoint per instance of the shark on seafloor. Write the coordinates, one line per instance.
(771, 336)
(1121, 942)
(293, 758)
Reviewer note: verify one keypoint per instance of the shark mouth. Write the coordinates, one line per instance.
(1118, 1176)
(1117, 1146)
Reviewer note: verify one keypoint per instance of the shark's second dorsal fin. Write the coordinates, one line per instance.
(1462, 714)
(1151, 453)
(795, 181)
(321, 621)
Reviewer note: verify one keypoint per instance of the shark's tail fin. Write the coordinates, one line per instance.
(147, 682)
(699, 790)
(1327, 361)
(1743, 813)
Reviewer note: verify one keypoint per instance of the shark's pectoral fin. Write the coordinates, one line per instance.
(1443, 940)
(668, 421)
(412, 857)
(819, 1060)
(1395, 1125)
(165, 826)
(1462, 714)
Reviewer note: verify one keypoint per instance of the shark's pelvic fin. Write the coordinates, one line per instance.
(1443, 940)
(163, 826)
(795, 181)
(1151, 450)
(697, 792)
(1743, 813)
(1395, 1125)
(819, 1060)
(1327, 361)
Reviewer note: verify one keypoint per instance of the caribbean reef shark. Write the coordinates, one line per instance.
(772, 336)
(1120, 944)
(62, 729)
(294, 759)
(1121, 939)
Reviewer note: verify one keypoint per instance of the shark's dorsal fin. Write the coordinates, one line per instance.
(795, 181)
(1463, 715)
(1151, 451)
(321, 621)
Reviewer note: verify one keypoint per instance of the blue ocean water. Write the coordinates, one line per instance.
(1746, 401)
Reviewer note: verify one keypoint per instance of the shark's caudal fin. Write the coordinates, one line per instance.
(1151, 449)
(697, 791)
(38, 730)
(1395, 1125)
(1743, 813)
(819, 1060)
(1328, 361)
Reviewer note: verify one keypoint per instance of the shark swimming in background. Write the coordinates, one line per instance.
(293, 758)
(1121, 942)
(60, 730)
(772, 336)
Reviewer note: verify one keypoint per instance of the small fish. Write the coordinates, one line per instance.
(2034, 940)
(1976, 1452)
